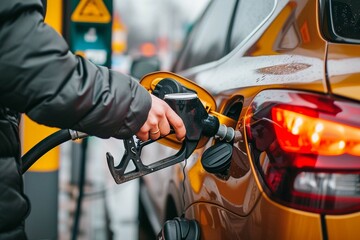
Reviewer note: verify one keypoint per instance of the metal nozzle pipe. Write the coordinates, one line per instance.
(228, 134)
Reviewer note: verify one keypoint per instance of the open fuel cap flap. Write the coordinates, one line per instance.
(217, 158)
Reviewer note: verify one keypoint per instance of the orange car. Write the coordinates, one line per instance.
(286, 74)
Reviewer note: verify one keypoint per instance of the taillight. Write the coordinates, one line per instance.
(297, 132)
(306, 149)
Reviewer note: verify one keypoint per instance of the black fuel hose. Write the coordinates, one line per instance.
(46, 145)
(43, 147)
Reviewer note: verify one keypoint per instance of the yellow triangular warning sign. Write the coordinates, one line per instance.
(91, 11)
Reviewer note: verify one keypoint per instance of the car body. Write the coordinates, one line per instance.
(287, 72)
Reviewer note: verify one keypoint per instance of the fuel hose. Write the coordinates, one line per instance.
(46, 145)
(43, 147)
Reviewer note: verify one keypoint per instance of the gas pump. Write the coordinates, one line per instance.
(196, 108)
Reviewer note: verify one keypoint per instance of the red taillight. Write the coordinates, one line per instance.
(297, 132)
(306, 148)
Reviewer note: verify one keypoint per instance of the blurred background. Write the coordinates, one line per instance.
(151, 27)
(140, 28)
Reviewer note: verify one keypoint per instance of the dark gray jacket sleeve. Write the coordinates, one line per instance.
(39, 76)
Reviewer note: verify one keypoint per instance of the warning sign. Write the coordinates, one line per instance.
(94, 11)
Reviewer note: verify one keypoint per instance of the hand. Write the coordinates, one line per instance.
(160, 117)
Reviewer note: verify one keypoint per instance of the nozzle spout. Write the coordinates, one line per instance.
(228, 134)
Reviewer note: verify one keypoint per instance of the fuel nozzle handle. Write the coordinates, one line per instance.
(197, 121)
(192, 112)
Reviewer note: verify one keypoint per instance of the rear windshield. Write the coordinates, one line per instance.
(345, 16)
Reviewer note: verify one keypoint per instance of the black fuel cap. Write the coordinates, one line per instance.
(180, 229)
(217, 158)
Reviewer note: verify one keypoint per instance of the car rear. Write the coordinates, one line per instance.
(305, 146)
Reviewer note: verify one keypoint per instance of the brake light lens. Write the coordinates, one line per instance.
(306, 149)
(297, 132)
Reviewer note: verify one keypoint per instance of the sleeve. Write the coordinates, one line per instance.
(39, 76)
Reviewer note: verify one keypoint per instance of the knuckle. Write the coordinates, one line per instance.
(152, 122)
(178, 125)
(166, 132)
(143, 137)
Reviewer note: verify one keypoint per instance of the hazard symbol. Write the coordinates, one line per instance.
(93, 11)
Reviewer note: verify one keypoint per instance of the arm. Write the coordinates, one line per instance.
(42, 78)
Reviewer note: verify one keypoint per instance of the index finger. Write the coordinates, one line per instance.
(177, 123)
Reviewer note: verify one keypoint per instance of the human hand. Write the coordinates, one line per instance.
(160, 118)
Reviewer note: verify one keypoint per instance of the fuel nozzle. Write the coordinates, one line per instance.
(196, 119)
(198, 123)
(212, 127)
(228, 134)
(181, 98)
(192, 112)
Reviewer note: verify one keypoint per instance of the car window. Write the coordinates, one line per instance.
(346, 18)
(206, 42)
(249, 15)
